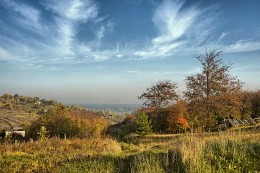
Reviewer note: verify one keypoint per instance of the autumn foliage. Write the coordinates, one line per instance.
(213, 94)
(184, 122)
(62, 122)
(159, 95)
(175, 117)
(172, 119)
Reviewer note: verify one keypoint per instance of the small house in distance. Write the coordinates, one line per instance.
(15, 133)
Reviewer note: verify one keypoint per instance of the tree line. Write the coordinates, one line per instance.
(211, 96)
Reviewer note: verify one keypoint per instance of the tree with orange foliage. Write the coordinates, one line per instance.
(175, 117)
(159, 96)
(213, 94)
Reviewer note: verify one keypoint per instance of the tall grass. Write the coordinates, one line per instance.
(47, 155)
(219, 152)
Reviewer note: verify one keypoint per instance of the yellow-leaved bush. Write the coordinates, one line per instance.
(65, 123)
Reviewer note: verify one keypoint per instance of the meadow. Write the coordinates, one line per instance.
(229, 151)
(96, 144)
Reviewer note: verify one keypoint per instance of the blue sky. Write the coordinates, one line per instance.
(109, 51)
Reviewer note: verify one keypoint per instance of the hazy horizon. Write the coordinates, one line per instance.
(101, 52)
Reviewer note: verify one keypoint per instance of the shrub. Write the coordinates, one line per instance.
(65, 123)
(171, 119)
(42, 133)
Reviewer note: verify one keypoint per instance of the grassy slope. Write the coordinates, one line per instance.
(230, 151)
(16, 110)
(14, 118)
(235, 150)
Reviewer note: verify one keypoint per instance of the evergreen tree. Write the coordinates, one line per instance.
(144, 126)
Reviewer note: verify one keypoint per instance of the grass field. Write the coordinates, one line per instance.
(230, 151)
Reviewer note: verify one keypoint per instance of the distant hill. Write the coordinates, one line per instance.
(26, 104)
(16, 110)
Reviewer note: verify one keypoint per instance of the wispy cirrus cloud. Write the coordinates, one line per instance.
(27, 15)
(104, 28)
(242, 46)
(69, 15)
(79, 10)
(180, 29)
(222, 36)
(189, 30)
(55, 41)
(172, 22)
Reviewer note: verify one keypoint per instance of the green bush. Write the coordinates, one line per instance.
(42, 133)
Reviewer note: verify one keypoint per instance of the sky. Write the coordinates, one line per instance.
(110, 51)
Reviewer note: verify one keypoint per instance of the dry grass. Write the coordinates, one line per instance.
(46, 155)
(231, 151)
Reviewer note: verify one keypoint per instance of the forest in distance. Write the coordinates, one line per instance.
(169, 133)
(115, 109)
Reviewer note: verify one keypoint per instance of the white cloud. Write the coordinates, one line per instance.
(177, 27)
(66, 34)
(159, 51)
(134, 71)
(222, 36)
(30, 13)
(242, 46)
(58, 40)
(171, 21)
(27, 16)
(101, 31)
(189, 31)
(70, 14)
(180, 29)
(77, 10)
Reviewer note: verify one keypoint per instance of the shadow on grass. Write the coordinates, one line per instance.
(140, 163)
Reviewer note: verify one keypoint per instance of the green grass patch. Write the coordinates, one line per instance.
(222, 152)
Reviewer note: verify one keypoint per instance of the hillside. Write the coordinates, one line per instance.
(15, 118)
(16, 110)
(26, 104)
